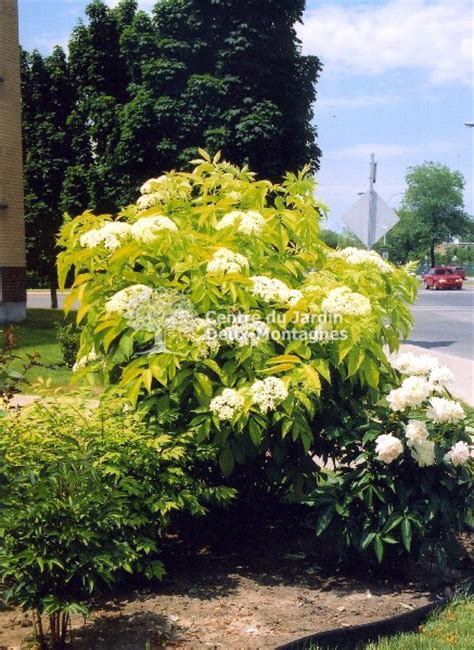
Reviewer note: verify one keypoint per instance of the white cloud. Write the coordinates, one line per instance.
(375, 38)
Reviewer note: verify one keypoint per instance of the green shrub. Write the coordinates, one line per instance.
(214, 303)
(85, 494)
(403, 477)
(206, 302)
(68, 336)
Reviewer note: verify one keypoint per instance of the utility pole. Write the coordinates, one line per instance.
(372, 221)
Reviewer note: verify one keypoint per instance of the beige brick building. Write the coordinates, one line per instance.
(12, 228)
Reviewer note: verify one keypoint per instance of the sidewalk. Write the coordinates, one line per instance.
(463, 370)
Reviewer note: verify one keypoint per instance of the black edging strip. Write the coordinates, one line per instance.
(350, 638)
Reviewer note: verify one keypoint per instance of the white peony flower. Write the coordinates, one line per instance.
(245, 331)
(388, 447)
(147, 229)
(109, 235)
(444, 410)
(268, 393)
(343, 301)
(226, 261)
(440, 377)
(416, 432)
(458, 454)
(412, 364)
(227, 405)
(273, 290)
(361, 257)
(424, 453)
(412, 392)
(248, 223)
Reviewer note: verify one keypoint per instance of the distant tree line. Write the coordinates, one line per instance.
(138, 93)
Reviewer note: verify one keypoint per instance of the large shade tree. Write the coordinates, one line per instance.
(47, 96)
(432, 210)
(146, 90)
(213, 73)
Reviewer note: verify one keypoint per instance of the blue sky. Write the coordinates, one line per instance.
(397, 81)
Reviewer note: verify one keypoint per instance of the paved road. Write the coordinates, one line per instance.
(42, 300)
(444, 322)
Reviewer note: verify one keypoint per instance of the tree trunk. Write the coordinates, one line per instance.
(53, 287)
(432, 254)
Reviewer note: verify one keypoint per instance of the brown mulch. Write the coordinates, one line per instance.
(260, 590)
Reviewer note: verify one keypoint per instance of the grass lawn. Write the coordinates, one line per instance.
(451, 628)
(38, 334)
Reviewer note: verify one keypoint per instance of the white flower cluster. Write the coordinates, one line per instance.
(248, 223)
(160, 189)
(154, 184)
(442, 410)
(412, 364)
(165, 313)
(459, 454)
(360, 257)
(226, 261)
(345, 302)
(424, 453)
(273, 290)
(268, 393)
(136, 305)
(147, 229)
(416, 432)
(412, 392)
(388, 447)
(426, 376)
(109, 235)
(85, 360)
(204, 337)
(245, 331)
(422, 449)
(226, 405)
(439, 377)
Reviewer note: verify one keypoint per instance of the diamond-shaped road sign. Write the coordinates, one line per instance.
(359, 222)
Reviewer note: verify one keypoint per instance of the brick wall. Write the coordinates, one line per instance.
(12, 233)
(13, 284)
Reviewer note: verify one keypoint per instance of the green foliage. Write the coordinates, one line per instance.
(170, 354)
(68, 336)
(85, 493)
(340, 240)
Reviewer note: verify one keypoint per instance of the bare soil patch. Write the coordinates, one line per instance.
(257, 592)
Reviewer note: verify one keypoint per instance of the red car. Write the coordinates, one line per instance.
(457, 269)
(440, 277)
